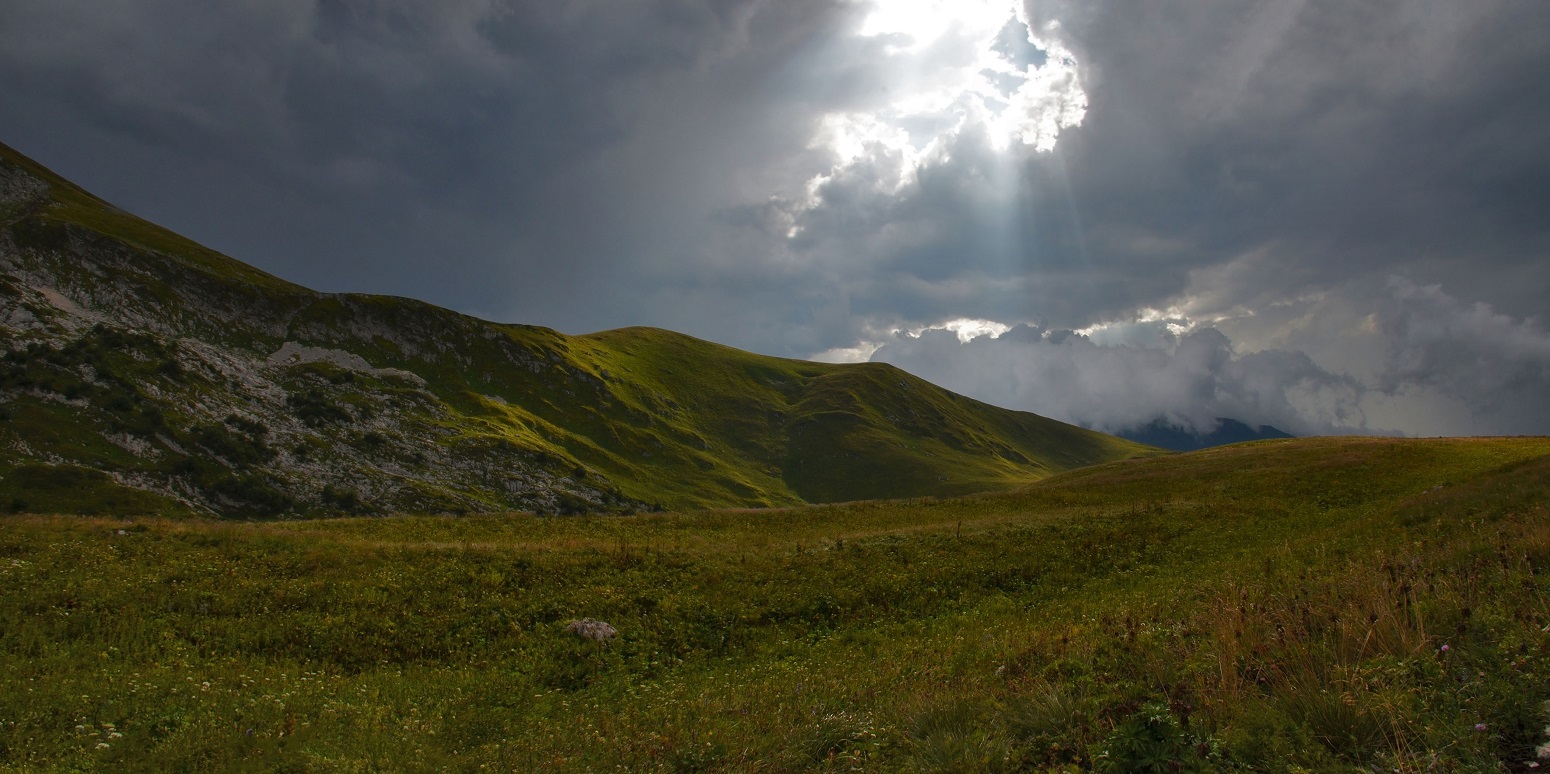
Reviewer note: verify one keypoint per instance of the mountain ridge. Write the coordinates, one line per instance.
(144, 369)
(1175, 437)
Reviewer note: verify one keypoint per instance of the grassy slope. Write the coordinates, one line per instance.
(1273, 606)
(784, 431)
(69, 204)
(664, 418)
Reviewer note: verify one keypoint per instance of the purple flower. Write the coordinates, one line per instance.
(1479, 726)
(1445, 649)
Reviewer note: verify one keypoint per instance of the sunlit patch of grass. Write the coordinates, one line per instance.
(954, 736)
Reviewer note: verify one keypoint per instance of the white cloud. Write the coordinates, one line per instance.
(1429, 364)
(1492, 368)
(952, 68)
(964, 328)
(1190, 380)
(969, 329)
(1150, 328)
(860, 353)
(912, 25)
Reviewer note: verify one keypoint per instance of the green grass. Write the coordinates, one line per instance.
(679, 413)
(1275, 606)
(1323, 604)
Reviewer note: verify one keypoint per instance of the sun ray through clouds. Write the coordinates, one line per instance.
(968, 93)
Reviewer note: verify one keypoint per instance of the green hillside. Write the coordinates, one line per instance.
(144, 373)
(1305, 605)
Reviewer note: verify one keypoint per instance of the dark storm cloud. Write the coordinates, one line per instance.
(1258, 170)
(1341, 140)
(475, 153)
(1346, 137)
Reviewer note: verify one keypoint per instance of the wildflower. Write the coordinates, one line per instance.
(1480, 726)
(1445, 648)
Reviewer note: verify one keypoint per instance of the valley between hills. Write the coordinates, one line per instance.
(256, 527)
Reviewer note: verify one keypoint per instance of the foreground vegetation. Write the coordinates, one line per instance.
(1322, 604)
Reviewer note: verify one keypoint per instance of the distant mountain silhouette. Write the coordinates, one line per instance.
(1160, 432)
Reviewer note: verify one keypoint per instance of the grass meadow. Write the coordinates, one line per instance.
(1307, 605)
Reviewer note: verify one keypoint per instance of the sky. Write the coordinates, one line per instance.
(1331, 217)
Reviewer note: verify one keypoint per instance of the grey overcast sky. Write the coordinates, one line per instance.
(1324, 215)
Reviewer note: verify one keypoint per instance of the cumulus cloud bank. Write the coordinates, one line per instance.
(1189, 381)
(1441, 366)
